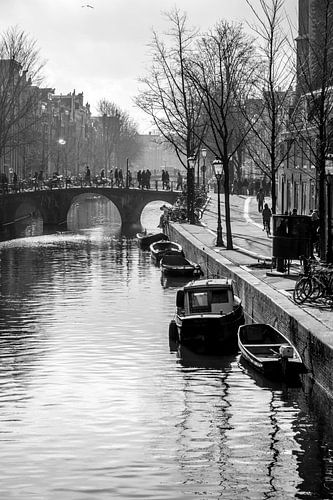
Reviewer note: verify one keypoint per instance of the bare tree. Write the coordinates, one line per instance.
(223, 72)
(267, 111)
(119, 134)
(20, 75)
(170, 98)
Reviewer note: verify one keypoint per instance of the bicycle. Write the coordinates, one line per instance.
(316, 283)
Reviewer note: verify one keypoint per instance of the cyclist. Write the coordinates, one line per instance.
(266, 219)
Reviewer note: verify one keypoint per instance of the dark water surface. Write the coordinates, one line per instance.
(93, 405)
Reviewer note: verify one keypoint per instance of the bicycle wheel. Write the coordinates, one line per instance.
(317, 288)
(302, 290)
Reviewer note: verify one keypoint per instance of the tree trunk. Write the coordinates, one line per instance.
(227, 205)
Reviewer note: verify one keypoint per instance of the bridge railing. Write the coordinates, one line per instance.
(61, 183)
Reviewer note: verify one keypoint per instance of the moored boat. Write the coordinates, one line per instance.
(269, 351)
(178, 265)
(161, 248)
(208, 315)
(145, 239)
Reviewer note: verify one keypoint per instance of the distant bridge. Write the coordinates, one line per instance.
(53, 204)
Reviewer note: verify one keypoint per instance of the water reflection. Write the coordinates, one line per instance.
(94, 405)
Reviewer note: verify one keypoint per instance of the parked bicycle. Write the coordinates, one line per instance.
(315, 283)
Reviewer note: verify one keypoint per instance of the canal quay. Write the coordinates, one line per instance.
(265, 293)
(96, 404)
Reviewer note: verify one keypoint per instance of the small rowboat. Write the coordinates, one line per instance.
(178, 265)
(269, 351)
(145, 239)
(161, 248)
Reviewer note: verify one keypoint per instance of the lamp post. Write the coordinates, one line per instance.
(190, 189)
(204, 154)
(217, 165)
(62, 142)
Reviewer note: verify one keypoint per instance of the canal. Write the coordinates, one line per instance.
(95, 405)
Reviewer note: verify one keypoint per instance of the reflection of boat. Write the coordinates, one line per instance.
(178, 265)
(263, 382)
(269, 351)
(146, 239)
(189, 359)
(208, 316)
(174, 281)
(161, 248)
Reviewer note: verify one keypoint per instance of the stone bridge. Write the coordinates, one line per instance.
(53, 204)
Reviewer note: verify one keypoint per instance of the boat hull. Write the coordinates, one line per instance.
(145, 240)
(210, 333)
(275, 369)
(161, 248)
(178, 265)
(180, 270)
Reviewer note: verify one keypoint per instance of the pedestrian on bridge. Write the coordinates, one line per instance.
(88, 176)
(111, 177)
(116, 177)
(103, 180)
(139, 178)
(120, 178)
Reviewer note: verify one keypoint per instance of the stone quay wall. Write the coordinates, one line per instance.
(264, 304)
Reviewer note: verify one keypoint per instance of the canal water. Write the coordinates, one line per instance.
(95, 404)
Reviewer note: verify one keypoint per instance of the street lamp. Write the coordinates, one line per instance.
(62, 142)
(190, 189)
(217, 166)
(204, 154)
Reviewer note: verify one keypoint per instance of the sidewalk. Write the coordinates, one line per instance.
(250, 234)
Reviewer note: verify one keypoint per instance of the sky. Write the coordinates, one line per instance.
(103, 51)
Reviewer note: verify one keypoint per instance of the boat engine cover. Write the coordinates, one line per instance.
(286, 351)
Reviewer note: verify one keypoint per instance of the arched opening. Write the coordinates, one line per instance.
(92, 210)
(150, 216)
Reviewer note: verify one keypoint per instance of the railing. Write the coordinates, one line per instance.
(60, 182)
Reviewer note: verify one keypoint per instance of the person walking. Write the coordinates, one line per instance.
(88, 177)
(116, 177)
(148, 176)
(260, 199)
(103, 180)
(167, 180)
(266, 219)
(139, 178)
(163, 179)
(179, 182)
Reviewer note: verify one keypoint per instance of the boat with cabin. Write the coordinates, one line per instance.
(208, 315)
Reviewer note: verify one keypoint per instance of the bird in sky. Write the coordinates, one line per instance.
(87, 5)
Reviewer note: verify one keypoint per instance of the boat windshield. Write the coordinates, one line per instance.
(208, 301)
(199, 302)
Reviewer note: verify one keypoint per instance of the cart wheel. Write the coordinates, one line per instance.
(173, 331)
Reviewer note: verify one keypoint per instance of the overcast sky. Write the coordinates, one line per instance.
(102, 51)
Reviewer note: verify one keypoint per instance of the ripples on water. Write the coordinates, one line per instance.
(93, 404)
